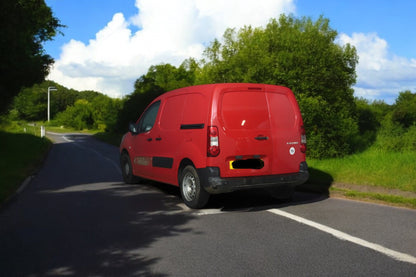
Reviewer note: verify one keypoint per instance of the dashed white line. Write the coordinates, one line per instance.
(344, 236)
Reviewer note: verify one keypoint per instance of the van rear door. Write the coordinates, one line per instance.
(247, 143)
(260, 130)
(285, 122)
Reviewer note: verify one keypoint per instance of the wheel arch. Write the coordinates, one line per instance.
(185, 162)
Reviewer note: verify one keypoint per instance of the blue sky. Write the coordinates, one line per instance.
(108, 44)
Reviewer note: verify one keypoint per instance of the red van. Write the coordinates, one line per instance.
(218, 138)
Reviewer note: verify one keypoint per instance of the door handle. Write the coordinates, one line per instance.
(261, 138)
(158, 139)
(149, 139)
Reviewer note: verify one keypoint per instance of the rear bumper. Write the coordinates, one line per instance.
(212, 182)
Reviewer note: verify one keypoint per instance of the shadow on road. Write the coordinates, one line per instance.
(248, 200)
(77, 219)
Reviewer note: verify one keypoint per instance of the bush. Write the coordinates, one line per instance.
(395, 137)
(79, 116)
(330, 131)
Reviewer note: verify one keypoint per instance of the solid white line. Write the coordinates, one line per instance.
(344, 236)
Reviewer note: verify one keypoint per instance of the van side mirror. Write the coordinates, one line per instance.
(133, 128)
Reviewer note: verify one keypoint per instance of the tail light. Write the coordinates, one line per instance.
(302, 139)
(213, 142)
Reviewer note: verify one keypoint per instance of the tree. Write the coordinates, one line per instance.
(302, 55)
(24, 26)
(79, 116)
(405, 109)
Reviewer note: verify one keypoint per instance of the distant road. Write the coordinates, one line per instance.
(77, 218)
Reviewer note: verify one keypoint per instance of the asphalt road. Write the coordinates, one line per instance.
(77, 218)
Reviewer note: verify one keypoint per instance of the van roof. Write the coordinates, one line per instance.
(209, 88)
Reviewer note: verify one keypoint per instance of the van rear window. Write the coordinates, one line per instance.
(245, 110)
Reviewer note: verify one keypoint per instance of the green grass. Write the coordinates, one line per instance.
(381, 177)
(62, 129)
(21, 154)
(392, 170)
(377, 197)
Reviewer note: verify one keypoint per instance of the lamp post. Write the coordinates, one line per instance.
(49, 101)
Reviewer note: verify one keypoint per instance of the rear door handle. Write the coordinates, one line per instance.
(261, 138)
(149, 139)
(158, 139)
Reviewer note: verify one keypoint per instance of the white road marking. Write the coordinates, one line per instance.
(344, 236)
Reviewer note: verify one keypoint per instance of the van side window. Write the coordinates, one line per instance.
(149, 117)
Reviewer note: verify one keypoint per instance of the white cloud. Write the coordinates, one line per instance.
(116, 57)
(381, 74)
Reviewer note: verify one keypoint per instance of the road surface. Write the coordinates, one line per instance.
(77, 218)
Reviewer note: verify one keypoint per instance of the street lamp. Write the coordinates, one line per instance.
(49, 101)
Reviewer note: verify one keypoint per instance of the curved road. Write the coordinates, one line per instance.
(77, 218)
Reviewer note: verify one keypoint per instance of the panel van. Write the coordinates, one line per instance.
(218, 138)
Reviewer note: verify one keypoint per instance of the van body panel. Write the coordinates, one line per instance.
(259, 137)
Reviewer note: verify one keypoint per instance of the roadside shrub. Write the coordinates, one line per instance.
(395, 137)
(79, 116)
(330, 130)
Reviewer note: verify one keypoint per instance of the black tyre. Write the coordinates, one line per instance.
(127, 169)
(193, 194)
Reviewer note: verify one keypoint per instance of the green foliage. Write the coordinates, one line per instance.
(340, 128)
(31, 103)
(21, 153)
(405, 109)
(390, 127)
(24, 25)
(100, 110)
(100, 113)
(78, 116)
(372, 167)
(394, 137)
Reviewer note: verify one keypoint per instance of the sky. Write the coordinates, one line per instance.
(107, 45)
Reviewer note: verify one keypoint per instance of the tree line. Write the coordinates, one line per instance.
(295, 52)
(68, 107)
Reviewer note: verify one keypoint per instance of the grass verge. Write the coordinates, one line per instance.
(21, 155)
(394, 200)
(373, 175)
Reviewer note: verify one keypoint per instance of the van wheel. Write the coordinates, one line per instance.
(127, 169)
(193, 194)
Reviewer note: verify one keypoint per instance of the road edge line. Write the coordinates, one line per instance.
(403, 257)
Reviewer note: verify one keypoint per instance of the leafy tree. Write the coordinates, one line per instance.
(405, 109)
(24, 26)
(302, 55)
(369, 121)
(31, 103)
(79, 116)
(105, 110)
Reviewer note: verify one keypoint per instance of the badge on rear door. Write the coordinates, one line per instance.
(292, 151)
